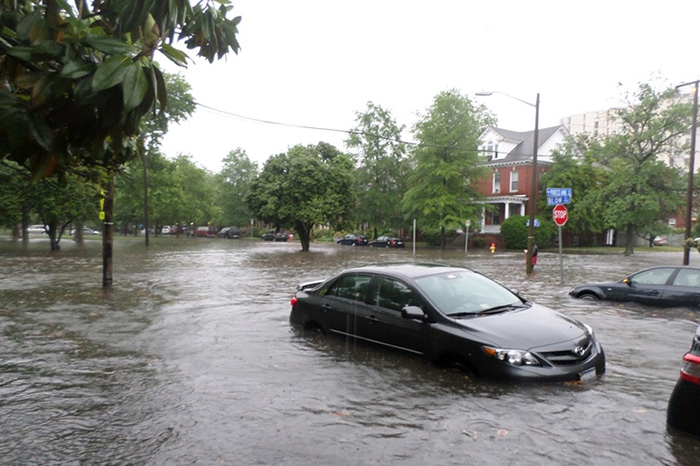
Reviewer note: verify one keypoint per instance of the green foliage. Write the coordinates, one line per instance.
(76, 80)
(381, 174)
(307, 186)
(180, 192)
(440, 194)
(573, 168)
(233, 183)
(55, 205)
(514, 232)
(639, 191)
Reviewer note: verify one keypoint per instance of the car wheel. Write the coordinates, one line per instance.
(588, 297)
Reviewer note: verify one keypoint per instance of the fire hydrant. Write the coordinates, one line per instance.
(493, 248)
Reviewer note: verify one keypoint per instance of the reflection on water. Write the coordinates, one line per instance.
(190, 359)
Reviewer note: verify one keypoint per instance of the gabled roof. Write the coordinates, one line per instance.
(524, 141)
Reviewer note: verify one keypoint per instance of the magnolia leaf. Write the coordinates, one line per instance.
(107, 44)
(111, 73)
(134, 87)
(176, 56)
(75, 69)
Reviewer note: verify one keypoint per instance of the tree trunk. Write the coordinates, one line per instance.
(304, 233)
(629, 246)
(78, 233)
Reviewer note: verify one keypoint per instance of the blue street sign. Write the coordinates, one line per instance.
(537, 222)
(559, 192)
(559, 200)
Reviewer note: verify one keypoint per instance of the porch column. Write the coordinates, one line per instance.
(506, 210)
(522, 209)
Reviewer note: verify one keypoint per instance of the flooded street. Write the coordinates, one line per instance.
(190, 359)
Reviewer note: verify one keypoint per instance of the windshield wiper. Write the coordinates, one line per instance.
(502, 308)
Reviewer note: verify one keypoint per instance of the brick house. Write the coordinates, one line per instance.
(508, 155)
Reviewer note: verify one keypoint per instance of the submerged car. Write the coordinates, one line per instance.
(352, 239)
(229, 232)
(387, 242)
(684, 405)
(656, 286)
(451, 316)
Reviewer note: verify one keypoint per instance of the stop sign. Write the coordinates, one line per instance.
(560, 214)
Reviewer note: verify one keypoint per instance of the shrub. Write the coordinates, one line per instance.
(514, 231)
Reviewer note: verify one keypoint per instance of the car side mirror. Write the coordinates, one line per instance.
(413, 312)
(627, 281)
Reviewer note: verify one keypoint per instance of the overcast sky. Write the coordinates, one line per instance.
(318, 62)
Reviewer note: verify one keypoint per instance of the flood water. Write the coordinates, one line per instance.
(190, 359)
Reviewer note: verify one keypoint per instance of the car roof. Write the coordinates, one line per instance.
(406, 270)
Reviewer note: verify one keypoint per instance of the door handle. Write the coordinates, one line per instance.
(372, 319)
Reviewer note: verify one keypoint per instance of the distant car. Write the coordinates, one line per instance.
(229, 232)
(205, 232)
(165, 230)
(36, 230)
(684, 405)
(86, 232)
(273, 235)
(451, 316)
(659, 241)
(352, 239)
(386, 242)
(657, 286)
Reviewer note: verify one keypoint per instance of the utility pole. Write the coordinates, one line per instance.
(691, 172)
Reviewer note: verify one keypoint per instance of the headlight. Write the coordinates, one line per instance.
(513, 356)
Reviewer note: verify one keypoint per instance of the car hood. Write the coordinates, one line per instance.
(527, 328)
(596, 285)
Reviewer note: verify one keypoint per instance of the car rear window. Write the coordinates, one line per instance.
(352, 287)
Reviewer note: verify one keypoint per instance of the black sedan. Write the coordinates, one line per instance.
(451, 316)
(657, 286)
(684, 405)
(386, 242)
(352, 239)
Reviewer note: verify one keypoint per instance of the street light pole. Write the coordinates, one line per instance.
(533, 187)
(691, 170)
(533, 191)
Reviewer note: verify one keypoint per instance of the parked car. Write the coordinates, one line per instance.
(36, 230)
(229, 232)
(205, 232)
(452, 316)
(352, 239)
(684, 405)
(659, 241)
(657, 286)
(273, 235)
(165, 230)
(387, 242)
(86, 232)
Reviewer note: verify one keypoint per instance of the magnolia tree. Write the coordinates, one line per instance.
(77, 78)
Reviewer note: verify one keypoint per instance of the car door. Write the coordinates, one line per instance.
(685, 288)
(385, 323)
(647, 286)
(344, 304)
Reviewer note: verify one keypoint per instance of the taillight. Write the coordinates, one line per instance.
(294, 301)
(690, 371)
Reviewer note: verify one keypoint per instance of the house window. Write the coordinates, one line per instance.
(497, 182)
(496, 218)
(513, 181)
(489, 150)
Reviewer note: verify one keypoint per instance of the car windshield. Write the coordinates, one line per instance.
(467, 293)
